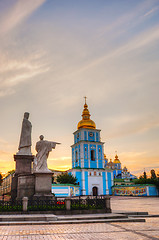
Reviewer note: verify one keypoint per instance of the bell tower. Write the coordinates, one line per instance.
(87, 150)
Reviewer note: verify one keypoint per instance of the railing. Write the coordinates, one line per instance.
(89, 202)
(63, 204)
(10, 206)
(46, 205)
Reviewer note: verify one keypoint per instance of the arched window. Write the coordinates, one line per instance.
(92, 155)
(95, 191)
(76, 156)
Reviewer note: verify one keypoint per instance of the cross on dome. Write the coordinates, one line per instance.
(86, 122)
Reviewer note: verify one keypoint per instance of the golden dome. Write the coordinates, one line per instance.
(116, 160)
(86, 122)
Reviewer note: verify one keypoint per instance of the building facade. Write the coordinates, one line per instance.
(88, 163)
(5, 188)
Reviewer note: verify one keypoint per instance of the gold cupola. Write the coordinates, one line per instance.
(86, 122)
(116, 160)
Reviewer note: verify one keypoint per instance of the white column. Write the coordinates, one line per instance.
(82, 135)
(102, 156)
(82, 155)
(106, 178)
(89, 155)
(83, 183)
(97, 156)
(112, 179)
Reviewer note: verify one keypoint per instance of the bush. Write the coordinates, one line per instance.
(67, 178)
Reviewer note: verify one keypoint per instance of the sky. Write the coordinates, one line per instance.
(55, 52)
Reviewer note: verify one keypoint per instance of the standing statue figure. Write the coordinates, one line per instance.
(25, 138)
(43, 148)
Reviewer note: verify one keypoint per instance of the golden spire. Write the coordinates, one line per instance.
(86, 122)
(116, 160)
(85, 99)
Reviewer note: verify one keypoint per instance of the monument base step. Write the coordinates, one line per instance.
(38, 219)
(72, 221)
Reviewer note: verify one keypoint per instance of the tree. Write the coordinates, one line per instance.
(153, 174)
(1, 179)
(145, 176)
(67, 178)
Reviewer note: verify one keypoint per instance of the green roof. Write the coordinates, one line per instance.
(64, 184)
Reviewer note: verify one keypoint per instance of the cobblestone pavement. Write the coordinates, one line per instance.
(89, 231)
(136, 204)
(93, 231)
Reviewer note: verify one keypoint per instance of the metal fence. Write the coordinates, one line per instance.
(11, 206)
(46, 205)
(75, 203)
(89, 202)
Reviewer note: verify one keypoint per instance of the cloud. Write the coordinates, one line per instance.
(146, 38)
(153, 10)
(129, 19)
(17, 13)
(14, 71)
(129, 124)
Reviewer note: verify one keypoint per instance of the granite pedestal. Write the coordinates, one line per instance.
(43, 184)
(26, 186)
(23, 182)
(23, 164)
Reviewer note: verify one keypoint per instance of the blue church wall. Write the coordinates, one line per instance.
(93, 164)
(75, 141)
(77, 137)
(85, 136)
(104, 183)
(76, 153)
(100, 165)
(118, 165)
(73, 158)
(85, 150)
(97, 137)
(109, 182)
(79, 180)
(86, 182)
(116, 172)
(79, 156)
(152, 191)
(91, 136)
(105, 162)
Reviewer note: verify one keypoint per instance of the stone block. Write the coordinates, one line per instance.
(43, 184)
(23, 164)
(14, 187)
(26, 186)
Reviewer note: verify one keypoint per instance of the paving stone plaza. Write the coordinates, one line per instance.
(103, 231)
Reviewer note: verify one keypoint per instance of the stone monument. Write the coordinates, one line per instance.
(43, 176)
(23, 181)
(34, 183)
